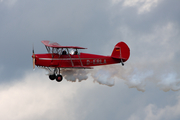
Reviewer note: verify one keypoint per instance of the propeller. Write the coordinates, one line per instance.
(33, 56)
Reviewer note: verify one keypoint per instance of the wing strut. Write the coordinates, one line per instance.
(79, 58)
(48, 49)
(70, 57)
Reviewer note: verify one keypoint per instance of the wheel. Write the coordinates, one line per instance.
(59, 78)
(52, 77)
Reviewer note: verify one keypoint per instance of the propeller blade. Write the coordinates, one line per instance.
(33, 58)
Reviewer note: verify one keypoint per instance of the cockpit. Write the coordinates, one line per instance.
(72, 52)
(55, 48)
(62, 51)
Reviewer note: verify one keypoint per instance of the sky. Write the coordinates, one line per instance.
(146, 88)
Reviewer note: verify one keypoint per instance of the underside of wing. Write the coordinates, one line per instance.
(79, 67)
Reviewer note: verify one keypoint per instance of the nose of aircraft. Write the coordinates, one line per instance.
(33, 56)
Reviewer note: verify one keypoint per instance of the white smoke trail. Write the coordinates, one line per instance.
(104, 77)
(69, 74)
(133, 76)
(170, 82)
(75, 74)
(136, 77)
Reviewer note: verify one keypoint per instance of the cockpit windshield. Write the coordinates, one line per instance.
(62, 51)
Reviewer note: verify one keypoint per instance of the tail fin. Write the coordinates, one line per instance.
(121, 51)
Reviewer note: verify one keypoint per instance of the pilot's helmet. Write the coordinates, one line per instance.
(75, 52)
(64, 52)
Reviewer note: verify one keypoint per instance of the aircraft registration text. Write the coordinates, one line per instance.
(96, 61)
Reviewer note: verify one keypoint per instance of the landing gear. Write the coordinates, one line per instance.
(122, 62)
(56, 75)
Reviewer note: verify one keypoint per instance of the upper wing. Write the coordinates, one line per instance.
(56, 45)
(50, 44)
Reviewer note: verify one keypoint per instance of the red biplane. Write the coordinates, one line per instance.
(60, 57)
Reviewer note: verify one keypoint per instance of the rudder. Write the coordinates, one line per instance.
(121, 51)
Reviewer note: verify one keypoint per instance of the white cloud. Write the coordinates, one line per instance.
(35, 96)
(153, 112)
(143, 6)
(116, 1)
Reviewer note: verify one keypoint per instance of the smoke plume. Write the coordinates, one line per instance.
(74, 74)
(133, 77)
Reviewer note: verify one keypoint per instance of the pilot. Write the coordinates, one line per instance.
(64, 52)
(75, 52)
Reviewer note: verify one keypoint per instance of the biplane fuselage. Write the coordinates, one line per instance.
(84, 60)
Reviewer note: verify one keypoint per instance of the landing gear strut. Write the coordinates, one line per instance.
(56, 75)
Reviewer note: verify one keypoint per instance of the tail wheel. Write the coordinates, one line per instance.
(59, 78)
(52, 77)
